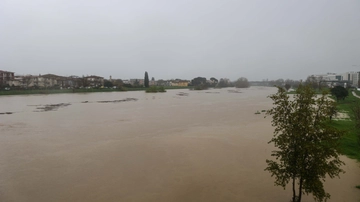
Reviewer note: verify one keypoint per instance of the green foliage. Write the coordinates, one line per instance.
(287, 86)
(136, 83)
(108, 84)
(201, 87)
(154, 89)
(339, 92)
(349, 143)
(214, 80)
(198, 81)
(223, 83)
(357, 92)
(307, 144)
(242, 83)
(161, 89)
(146, 80)
(355, 108)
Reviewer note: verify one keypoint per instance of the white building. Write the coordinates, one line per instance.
(352, 77)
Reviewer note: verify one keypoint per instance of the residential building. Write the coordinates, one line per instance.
(126, 81)
(152, 82)
(17, 81)
(327, 77)
(137, 82)
(6, 77)
(347, 78)
(355, 78)
(95, 81)
(179, 82)
(162, 82)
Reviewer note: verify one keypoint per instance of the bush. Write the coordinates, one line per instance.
(242, 83)
(201, 87)
(339, 92)
(154, 89)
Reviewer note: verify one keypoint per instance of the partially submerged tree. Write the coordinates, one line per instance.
(306, 142)
(198, 81)
(223, 83)
(213, 82)
(339, 92)
(242, 83)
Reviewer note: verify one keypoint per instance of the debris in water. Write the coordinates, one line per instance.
(51, 107)
(117, 101)
(233, 91)
(6, 113)
(183, 94)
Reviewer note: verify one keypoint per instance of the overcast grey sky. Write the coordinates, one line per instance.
(180, 38)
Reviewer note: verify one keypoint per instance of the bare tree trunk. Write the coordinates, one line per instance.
(300, 189)
(293, 188)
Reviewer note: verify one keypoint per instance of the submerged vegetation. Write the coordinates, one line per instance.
(82, 90)
(155, 89)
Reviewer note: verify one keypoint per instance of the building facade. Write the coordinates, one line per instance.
(6, 77)
(95, 81)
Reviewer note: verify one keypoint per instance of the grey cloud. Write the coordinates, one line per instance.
(180, 39)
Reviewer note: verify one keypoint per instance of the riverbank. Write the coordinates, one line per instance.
(349, 145)
(83, 90)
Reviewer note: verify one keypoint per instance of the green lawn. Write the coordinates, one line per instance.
(357, 92)
(349, 144)
(317, 91)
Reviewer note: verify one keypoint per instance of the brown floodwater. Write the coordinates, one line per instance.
(200, 146)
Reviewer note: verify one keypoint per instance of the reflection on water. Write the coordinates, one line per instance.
(133, 146)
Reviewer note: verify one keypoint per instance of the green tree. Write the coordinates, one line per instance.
(26, 81)
(339, 92)
(223, 83)
(242, 83)
(198, 81)
(307, 143)
(108, 84)
(213, 81)
(84, 81)
(146, 80)
(136, 83)
(287, 86)
(313, 81)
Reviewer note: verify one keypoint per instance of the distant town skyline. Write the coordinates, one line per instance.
(183, 39)
(324, 75)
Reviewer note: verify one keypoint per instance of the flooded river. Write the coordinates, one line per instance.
(190, 146)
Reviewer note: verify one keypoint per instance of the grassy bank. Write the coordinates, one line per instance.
(54, 91)
(317, 91)
(357, 92)
(349, 144)
(92, 90)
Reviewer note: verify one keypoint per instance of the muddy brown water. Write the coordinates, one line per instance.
(157, 147)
